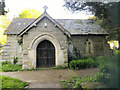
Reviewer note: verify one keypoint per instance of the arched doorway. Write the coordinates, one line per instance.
(45, 54)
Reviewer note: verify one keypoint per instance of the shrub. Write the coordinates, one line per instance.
(8, 82)
(7, 67)
(20, 41)
(60, 67)
(5, 62)
(84, 63)
(11, 67)
(15, 60)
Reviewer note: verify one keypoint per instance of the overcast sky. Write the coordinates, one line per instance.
(55, 8)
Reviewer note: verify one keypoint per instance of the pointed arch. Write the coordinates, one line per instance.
(88, 47)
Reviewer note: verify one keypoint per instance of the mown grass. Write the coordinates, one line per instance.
(8, 82)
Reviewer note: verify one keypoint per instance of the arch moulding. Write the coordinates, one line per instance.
(33, 46)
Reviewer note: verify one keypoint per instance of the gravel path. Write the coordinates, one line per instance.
(48, 78)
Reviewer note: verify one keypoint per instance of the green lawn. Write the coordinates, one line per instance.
(8, 82)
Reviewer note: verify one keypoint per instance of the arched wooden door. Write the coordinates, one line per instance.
(45, 54)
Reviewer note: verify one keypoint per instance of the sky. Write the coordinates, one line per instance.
(55, 8)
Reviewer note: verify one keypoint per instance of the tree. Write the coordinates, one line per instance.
(4, 22)
(2, 7)
(29, 13)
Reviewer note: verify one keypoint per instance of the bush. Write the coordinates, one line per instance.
(15, 60)
(60, 67)
(108, 68)
(7, 67)
(5, 62)
(8, 82)
(84, 63)
(11, 67)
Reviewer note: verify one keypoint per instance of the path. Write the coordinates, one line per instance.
(48, 78)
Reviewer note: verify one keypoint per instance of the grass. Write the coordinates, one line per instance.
(8, 82)
(76, 81)
(11, 68)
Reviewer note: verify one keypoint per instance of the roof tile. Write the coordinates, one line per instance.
(74, 26)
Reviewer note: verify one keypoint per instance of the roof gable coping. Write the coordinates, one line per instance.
(45, 14)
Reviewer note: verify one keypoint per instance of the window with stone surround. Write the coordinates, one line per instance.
(88, 47)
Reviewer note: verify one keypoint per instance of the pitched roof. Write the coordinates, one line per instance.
(81, 26)
(17, 25)
(73, 26)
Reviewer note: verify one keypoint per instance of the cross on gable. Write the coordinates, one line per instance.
(45, 8)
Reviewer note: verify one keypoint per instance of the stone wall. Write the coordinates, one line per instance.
(10, 48)
(99, 46)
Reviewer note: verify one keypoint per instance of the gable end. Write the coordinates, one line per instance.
(45, 14)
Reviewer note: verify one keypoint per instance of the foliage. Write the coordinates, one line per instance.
(97, 8)
(108, 68)
(29, 13)
(108, 74)
(11, 68)
(8, 82)
(116, 52)
(4, 22)
(77, 53)
(84, 63)
(7, 67)
(15, 60)
(20, 41)
(5, 62)
(76, 81)
(60, 67)
(2, 7)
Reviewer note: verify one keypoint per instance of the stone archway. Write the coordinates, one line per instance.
(59, 54)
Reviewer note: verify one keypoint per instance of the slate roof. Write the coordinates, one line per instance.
(74, 26)
(17, 25)
(81, 26)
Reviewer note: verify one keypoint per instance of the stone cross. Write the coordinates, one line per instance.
(45, 8)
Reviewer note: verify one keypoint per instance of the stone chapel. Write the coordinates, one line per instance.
(47, 42)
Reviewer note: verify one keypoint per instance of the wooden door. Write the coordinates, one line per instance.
(45, 54)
